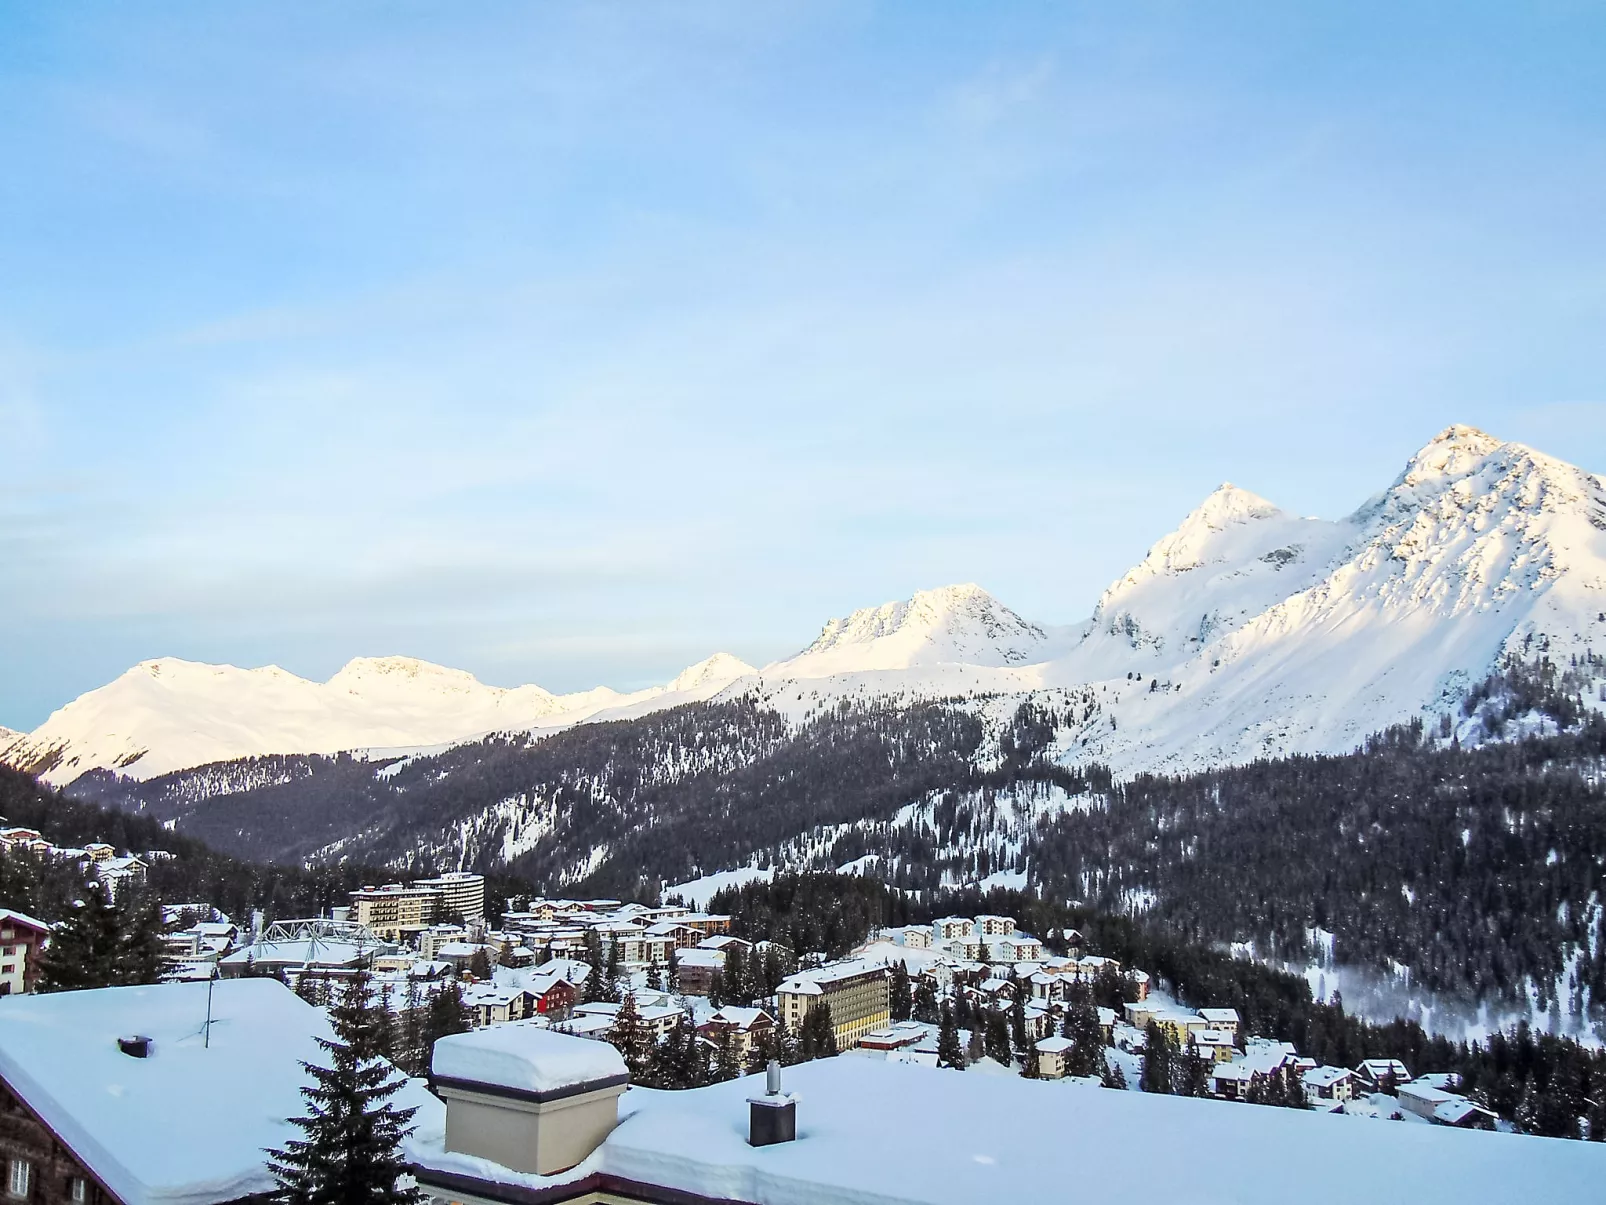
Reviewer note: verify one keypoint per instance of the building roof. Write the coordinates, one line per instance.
(1057, 1044)
(14, 917)
(982, 1138)
(812, 982)
(1326, 1077)
(1220, 1016)
(186, 1125)
(525, 1057)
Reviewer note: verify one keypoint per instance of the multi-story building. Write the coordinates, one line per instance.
(951, 927)
(856, 992)
(395, 911)
(462, 894)
(996, 926)
(20, 939)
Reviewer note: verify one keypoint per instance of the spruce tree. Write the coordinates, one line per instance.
(1157, 1050)
(350, 1153)
(734, 985)
(102, 944)
(925, 1003)
(997, 1036)
(479, 965)
(630, 1036)
(949, 1052)
(898, 992)
(412, 1054)
(444, 1015)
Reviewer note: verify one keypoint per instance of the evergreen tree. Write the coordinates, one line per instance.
(1157, 1051)
(763, 1047)
(997, 1036)
(1023, 1042)
(103, 943)
(445, 1015)
(655, 976)
(735, 987)
(816, 1037)
(597, 987)
(307, 987)
(949, 1053)
(786, 1045)
(411, 1054)
(350, 1153)
(898, 992)
(630, 1036)
(976, 1044)
(1190, 1073)
(925, 1003)
(1082, 1027)
(727, 1064)
(479, 965)
(1113, 1076)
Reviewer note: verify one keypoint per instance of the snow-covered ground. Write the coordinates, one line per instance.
(1246, 632)
(697, 892)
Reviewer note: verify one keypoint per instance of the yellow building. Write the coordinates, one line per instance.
(856, 991)
(394, 911)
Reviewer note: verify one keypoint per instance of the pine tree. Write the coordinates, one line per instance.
(925, 1003)
(786, 1049)
(655, 976)
(898, 992)
(1113, 1076)
(949, 1053)
(734, 985)
(1023, 1042)
(1156, 1059)
(412, 1056)
(350, 1154)
(631, 1038)
(727, 1065)
(596, 988)
(102, 944)
(479, 965)
(997, 1035)
(445, 1015)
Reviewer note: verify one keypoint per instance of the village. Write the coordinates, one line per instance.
(585, 1009)
(1010, 1007)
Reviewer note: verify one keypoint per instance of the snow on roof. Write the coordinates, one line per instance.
(1458, 1109)
(187, 1125)
(525, 1057)
(1055, 1045)
(317, 951)
(695, 957)
(1326, 1077)
(985, 1138)
(22, 918)
(808, 982)
(1220, 1016)
(742, 1018)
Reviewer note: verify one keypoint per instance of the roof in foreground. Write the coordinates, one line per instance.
(990, 1139)
(188, 1124)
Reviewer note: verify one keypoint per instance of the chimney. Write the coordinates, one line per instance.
(772, 1117)
(134, 1046)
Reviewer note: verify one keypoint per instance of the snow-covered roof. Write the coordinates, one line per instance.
(1326, 1077)
(741, 1017)
(1005, 1138)
(695, 957)
(1057, 1044)
(12, 916)
(526, 1058)
(186, 1125)
(1220, 1016)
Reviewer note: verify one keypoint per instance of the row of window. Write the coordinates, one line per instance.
(19, 1183)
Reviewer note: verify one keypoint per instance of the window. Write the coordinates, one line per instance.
(78, 1189)
(21, 1173)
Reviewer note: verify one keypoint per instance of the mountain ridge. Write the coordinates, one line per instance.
(1247, 631)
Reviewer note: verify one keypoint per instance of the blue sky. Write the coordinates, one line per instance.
(572, 343)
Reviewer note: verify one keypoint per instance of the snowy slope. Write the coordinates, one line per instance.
(169, 714)
(1246, 632)
(955, 625)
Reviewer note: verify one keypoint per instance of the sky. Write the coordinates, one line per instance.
(573, 343)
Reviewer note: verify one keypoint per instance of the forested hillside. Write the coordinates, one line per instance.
(1476, 872)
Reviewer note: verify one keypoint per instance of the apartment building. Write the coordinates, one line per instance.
(856, 992)
(394, 911)
(462, 894)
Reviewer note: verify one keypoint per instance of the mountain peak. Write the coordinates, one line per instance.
(949, 624)
(721, 668)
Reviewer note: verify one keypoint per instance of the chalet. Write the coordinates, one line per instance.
(1222, 1019)
(1328, 1086)
(1381, 1075)
(21, 936)
(125, 1096)
(1463, 1114)
(744, 1025)
(679, 936)
(488, 1004)
(709, 924)
(554, 995)
(696, 968)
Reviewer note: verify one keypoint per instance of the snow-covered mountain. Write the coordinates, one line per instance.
(954, 625)
(1246, 632)
(168, 714)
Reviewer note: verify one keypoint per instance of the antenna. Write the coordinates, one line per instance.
(206, 1041)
